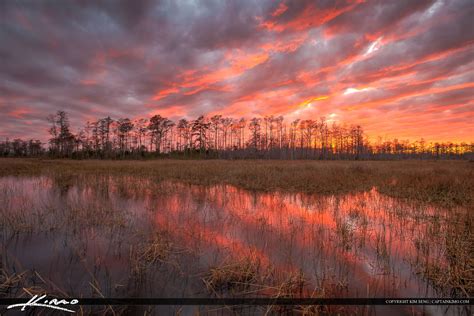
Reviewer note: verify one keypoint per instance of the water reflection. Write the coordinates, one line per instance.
(123, 236)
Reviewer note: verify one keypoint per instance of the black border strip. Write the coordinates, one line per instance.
(258, 301)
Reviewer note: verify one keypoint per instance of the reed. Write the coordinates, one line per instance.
(446, 183)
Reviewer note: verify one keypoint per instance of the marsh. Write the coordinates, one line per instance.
(118, 233)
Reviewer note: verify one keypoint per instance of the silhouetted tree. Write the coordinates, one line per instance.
(158, 127)
(199, 129)
(62, 140)
(226, 138)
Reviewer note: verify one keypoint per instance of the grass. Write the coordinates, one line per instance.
(446, 183)
(249, 277)
(442, 237)
(235, 275)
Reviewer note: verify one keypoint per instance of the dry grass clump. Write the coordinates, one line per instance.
(155, 249)
(16, 167)
(27, 284)
(248, 276)
(454, 272)
(8, 282)
(345, 231)
(458, 275)
(235, 276)
(293, 286)
(94, 214)
(443, 183)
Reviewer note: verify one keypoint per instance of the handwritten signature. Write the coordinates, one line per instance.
(40, 301)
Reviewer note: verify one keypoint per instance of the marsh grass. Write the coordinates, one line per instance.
(235, 276)
(9, 281)
(153, 251)
(446, 183)
(29, 283)
(456, 272)
(93, 203)
(249, 277)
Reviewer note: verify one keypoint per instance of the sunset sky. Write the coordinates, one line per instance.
(401, 69)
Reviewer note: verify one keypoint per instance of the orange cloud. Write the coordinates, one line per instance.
(164, 93)
(386, 101)
(19, 113)
(282, 7)
(311, 16)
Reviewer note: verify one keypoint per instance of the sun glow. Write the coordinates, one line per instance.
(356, 90)
(375, 46)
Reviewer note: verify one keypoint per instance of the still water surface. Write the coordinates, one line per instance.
(130, 237)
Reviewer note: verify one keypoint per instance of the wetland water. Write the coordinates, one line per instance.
(93, 236)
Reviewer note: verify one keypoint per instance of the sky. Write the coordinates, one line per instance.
(401, 69)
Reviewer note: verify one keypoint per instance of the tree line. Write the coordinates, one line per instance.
(269, 137)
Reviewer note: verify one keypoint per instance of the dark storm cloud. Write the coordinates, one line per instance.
(185, 58)
(439, 39)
